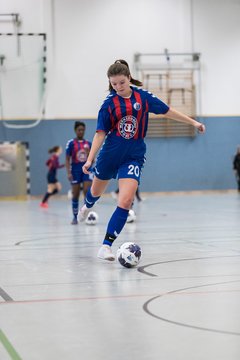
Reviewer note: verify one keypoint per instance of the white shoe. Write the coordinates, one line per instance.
(83, 212)
(105, 253)
(114, 195)
(131, 216)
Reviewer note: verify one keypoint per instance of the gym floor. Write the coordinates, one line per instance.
(59, 302)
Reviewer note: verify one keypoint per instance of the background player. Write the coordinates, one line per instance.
(236, 167)
(77, 151)
(123, 117)
(54, 185)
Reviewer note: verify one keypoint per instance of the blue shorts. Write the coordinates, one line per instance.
(51, 178)
(130, 169)
(120, 158)
(79, 177)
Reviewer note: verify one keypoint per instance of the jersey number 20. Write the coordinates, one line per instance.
(133, 170)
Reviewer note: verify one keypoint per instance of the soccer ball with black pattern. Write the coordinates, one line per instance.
(92, 218)
(129, 254)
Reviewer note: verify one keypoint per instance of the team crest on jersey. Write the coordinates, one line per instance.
(137, 106)
(128, 126)
(81, 156)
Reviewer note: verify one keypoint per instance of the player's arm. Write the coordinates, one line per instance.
(157, 106)
(235, 163)
(68, 167)
(97, 142)
(235, 168)
(58, 165)
(178, 116)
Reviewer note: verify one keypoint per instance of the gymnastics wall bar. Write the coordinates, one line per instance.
(173, 77)
(14, 18)
(167, 60)
(157, 67)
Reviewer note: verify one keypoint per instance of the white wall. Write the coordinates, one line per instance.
(217, 37)
(86, 36)
(90, 35)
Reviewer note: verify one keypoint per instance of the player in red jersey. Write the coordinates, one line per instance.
(54, 185)
(121, 128)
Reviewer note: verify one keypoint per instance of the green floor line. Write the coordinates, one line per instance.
(8, 346)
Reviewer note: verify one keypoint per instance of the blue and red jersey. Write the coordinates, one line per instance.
(128, 117)
(125, 121)
(78, 151)
(53, 163)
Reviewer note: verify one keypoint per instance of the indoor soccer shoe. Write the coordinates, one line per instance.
(114, 195)
(44, 205)
(83, 213)
(105, 253)
(74, 221)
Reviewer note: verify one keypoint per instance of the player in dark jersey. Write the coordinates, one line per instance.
(77, 151)
(236, 167)
(121, 128)
(54, 185)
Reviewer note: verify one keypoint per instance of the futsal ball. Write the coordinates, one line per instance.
(129, 254)
(92, 218)
(131, 216)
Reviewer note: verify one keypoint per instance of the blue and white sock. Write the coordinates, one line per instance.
(115, 225)
(75, 208)
(90, 200)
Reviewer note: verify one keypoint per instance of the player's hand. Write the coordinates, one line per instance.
(86, 167)
(201, 128)
(70, 177)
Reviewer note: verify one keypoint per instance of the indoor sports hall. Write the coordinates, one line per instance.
(181, 299)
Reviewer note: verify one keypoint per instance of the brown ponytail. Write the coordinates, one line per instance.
(53, 149)
(120, 67)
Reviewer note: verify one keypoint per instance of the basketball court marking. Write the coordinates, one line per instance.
(146, 309)
(141, 269)
(8, 347)
(4, 295)
(52, 269)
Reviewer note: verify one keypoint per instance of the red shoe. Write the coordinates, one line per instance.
(44, 205)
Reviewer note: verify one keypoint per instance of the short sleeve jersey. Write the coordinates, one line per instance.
(53, 163)
(78, 151)
(128, 117)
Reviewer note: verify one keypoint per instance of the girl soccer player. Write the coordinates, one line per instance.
(121, 128)
(77, 151)
(54, 185)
